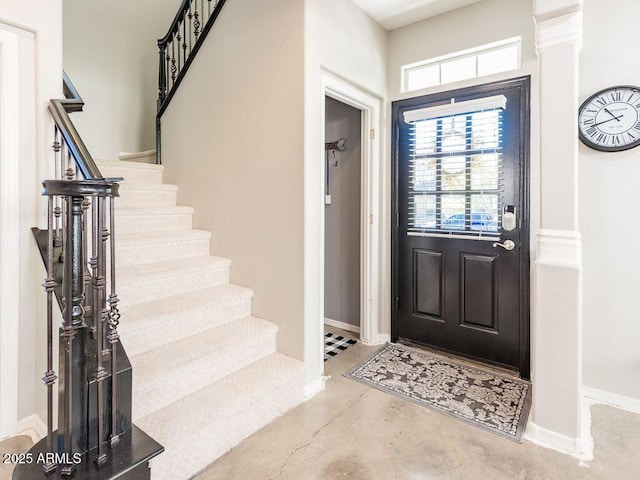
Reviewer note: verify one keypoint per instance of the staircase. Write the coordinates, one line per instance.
(206, 373)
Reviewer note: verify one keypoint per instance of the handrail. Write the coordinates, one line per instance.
(60, 109)
(178, 48)
(173, 66)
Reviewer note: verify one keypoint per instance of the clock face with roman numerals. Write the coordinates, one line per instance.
(609, 120)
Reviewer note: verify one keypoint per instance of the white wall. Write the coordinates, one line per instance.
(232, 139)
(111, 56)
(342, 216)
(40, 80)
(342, 40)
(608, 214)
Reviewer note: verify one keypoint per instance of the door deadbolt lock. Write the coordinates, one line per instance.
(509, 218)
(507, 245)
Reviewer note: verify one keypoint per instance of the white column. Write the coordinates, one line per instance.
(557, 416)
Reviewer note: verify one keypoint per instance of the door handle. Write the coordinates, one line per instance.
(507, 245)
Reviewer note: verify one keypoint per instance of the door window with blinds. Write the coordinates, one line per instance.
(455, 168)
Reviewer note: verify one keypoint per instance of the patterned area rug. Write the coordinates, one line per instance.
(494, 403)
(334, 344)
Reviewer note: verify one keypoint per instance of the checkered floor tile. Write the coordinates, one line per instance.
(334, 344)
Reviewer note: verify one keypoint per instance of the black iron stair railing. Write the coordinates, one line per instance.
(178, 48)
(95, 437)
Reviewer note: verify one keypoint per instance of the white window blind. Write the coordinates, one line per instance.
(455, 168)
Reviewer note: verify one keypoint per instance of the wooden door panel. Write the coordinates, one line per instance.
(479, 279)
(428, 278)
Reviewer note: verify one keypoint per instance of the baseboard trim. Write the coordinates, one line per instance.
(613, 399)
(314, 387)
(32, 426)
(342, 325)
(581, 448)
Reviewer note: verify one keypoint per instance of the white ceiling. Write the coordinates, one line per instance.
(393, 14)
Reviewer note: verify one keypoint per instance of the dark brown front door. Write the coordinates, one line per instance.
(460, 242)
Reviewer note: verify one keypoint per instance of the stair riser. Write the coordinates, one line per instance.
(222, 431)
(151, 393)
(132, 175)
(145, 198)
(139, 254)
(153, 289)
(153, 223)
(183, 324)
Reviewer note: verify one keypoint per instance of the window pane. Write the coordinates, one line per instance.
(424, 141)
(459, 69)
(497, 61)
(452, 214)
(484, 213)
(424, 213)
(422, 77)
(453, 133)
(424, 175)
(453, 173)
(485, 129)
(484, 172)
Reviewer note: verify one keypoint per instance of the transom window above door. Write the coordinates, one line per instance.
(455, 168)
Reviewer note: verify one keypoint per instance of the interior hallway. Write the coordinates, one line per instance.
(356, 432)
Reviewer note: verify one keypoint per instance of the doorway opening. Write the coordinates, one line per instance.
(343, 207)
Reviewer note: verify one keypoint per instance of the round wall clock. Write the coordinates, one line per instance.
(609, 120)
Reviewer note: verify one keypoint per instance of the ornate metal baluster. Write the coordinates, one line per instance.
(184, 44)
(114, 321)
(173, 62)
(70, 171)
(179, 39)
(209, 8)
(190, 17)
(162, 74)
(57, 210)
(98, 300)
(196, 21)
(50, 377)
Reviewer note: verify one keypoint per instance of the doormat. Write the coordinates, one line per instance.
(334, 344)
(489, 401)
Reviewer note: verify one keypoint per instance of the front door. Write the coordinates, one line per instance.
(460, 239)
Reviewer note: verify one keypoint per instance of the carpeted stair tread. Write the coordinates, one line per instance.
(145, 315)
(132, 273)
(155, 211)
(138, 195)
(152, 281)
(154, 219)
(131, 171)
(204, 359)
(144, 326)
(147, 247)
(126, 187)
(199, 428)
(123, 164)
(126, 239)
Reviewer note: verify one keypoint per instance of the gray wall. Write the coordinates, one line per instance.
(342, 217)
(233, 140)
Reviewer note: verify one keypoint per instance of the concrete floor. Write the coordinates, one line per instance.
(350, 431)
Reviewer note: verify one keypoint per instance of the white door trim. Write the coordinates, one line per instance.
(371, 205)
(9, 227)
